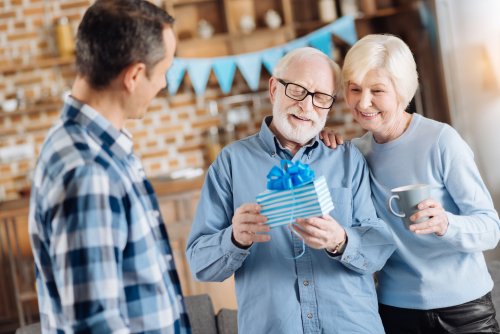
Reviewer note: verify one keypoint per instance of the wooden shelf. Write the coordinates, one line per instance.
(218, 45)
(262, 32)
(38, 63)
(309, 25)
(387, 12)
(225, 16)
(189, 2)
(161, 185)
(27, 296)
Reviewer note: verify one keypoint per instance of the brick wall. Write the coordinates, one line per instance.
(173, 134)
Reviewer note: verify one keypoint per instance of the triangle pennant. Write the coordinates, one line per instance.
(298, 43)
(270, 58)
(175, 74)
(345, 28)
(224, 69)
(322, 42)
(249, 65)
(199, 71)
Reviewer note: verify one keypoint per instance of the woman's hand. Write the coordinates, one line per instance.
(330, 138)
(437, 222)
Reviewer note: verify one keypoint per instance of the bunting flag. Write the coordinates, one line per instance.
(271, 58)
(250, 64)
(323, 42)
(224, 69)
(175, 75)
(199, 71)
(345, 28)
(295, 44)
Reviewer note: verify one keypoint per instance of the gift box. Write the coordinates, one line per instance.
(293, 193)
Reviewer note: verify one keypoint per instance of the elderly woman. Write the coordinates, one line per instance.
(437, 280)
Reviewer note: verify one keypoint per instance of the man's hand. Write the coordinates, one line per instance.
(320, 232)
(330, 138)
(437, 222)
(249, 224)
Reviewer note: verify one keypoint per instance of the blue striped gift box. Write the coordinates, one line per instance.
(282, 207)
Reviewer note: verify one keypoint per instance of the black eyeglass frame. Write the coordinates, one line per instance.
(284, 83)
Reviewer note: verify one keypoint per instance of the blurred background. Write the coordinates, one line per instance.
(456, 44)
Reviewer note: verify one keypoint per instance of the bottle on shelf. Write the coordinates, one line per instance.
(327, 11)
(368, 6)
(349, 7)
(64, 38)
(213, 144)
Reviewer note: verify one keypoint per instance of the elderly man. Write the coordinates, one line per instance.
(329, 288)
(102, 256)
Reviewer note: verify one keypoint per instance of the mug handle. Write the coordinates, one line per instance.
(389, 202)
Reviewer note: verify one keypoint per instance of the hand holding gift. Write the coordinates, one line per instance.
(294, 193)
(295, 197)
(321, 233)
(248, 224)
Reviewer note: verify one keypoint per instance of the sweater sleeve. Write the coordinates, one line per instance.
(475, 226)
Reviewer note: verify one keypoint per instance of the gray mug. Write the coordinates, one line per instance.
(408, 198)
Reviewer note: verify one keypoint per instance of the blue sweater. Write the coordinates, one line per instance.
(427, 271)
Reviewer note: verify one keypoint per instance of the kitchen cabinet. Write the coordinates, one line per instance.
(240, 26)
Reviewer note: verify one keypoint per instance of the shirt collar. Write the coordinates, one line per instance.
(272, 144)
(119, 142)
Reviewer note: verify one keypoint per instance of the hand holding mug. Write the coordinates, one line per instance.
(407, 198)
(437, 223)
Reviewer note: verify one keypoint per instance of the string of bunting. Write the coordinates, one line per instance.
(249, 64)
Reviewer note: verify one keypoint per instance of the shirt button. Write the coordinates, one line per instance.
(309, 315)
(306, 283)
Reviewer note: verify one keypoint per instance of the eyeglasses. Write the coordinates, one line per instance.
(299, 93)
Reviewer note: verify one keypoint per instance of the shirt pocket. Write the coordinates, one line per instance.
(342, 202)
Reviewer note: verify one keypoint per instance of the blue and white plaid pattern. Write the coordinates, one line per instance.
(102, 256)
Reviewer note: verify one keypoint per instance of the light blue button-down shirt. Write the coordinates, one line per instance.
(315, 293)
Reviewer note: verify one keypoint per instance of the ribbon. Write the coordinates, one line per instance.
(289, 176)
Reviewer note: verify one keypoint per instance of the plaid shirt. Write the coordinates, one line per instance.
(102, 256)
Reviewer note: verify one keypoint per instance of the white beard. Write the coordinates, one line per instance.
(300, 134)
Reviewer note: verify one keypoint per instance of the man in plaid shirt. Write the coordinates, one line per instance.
(102, 255)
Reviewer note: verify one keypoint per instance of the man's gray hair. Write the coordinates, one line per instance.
(306, 52)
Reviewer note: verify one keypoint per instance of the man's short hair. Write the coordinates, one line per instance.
(114, 34)
(306, 52)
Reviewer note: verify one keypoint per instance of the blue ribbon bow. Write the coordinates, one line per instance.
(290, 175)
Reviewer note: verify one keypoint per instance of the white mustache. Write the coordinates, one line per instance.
(299, 113)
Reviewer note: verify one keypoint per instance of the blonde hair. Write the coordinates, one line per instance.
(385, 52)
(306, 52)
